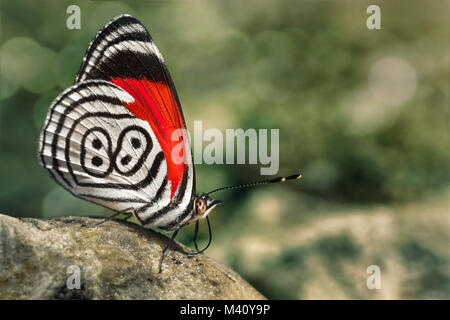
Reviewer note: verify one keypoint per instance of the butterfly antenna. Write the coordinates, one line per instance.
(257, 183)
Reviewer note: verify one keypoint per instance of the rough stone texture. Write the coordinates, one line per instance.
(118, 260)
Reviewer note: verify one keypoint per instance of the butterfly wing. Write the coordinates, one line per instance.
(123, 93)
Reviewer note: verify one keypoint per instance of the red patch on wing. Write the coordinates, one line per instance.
(156, 104)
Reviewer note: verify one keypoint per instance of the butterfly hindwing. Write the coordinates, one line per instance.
(99, 151)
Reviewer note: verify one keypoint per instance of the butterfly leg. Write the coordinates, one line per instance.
(195, 239)
(195, 236)
(164, 252)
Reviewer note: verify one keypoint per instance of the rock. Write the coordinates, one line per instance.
(115, 260)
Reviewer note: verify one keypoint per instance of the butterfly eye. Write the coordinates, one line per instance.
(200, 206)
(94, 153)
(133, 146)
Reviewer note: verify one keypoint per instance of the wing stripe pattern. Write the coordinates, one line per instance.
(63, 139)
(123, 52)
(106, 37)
(107, 139)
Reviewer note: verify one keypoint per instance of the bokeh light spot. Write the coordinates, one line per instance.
(66, 65)
(24, 62)
(392, 81)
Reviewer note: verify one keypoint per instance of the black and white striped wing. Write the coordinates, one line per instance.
(99, 151)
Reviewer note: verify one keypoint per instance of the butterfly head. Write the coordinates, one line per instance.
(203, 205)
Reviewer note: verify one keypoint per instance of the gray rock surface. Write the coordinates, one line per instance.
(116, 260)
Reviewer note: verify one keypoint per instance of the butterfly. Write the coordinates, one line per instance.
(108, 138)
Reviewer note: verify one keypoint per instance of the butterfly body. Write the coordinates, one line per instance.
(109, 138)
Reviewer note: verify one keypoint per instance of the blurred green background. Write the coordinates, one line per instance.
(363, 114)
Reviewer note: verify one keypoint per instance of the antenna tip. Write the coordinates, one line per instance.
(299, 176)
(283, 179)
